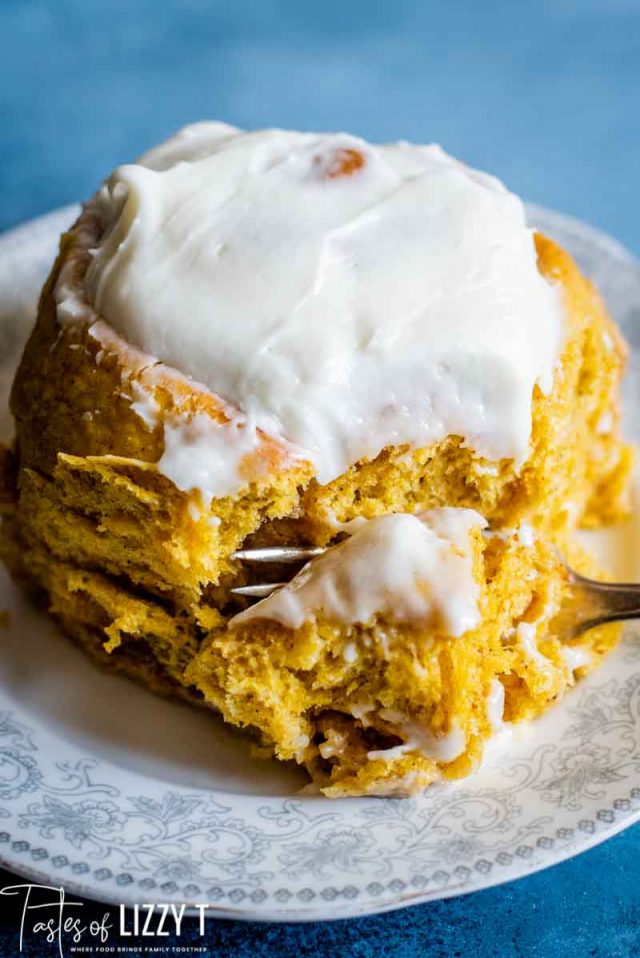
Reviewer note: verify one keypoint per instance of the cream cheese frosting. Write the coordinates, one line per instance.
(439, 748)
(343, 296)
(417, 569)
(207, 456)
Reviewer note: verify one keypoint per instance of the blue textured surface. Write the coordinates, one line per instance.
(544, 94)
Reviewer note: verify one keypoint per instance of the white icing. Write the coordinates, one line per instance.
(195, 510)
(495, 704)
(416, 569)
(328, 749)
(360, 710)
(383, 640)
(526, 636)
(350, 653)
(71, 305)
(193, 142)
(418, 738)
(440, 748)
(575, 656)
(605, 424)
(526, 535)
(145, 405)
(397, 304)
(388, 754)
(205, 456)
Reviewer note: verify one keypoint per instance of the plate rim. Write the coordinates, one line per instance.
(306, 915)
(543, 858)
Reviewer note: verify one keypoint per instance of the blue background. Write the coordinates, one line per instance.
(545, 94)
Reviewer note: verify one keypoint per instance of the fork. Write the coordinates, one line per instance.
(599, 602)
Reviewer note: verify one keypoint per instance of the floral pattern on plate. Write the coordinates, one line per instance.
(81, 812)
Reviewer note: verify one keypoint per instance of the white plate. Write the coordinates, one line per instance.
(124, 797)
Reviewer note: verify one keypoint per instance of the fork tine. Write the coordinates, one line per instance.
(279, 553)
(258, 591)
(272, 554)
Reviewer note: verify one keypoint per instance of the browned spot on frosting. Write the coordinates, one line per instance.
(344, 162)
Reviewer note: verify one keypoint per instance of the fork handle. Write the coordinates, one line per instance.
(608, 602)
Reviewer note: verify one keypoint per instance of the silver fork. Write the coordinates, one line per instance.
(288, 554)
(597, 602)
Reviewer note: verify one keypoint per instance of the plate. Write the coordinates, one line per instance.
(124, 797)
